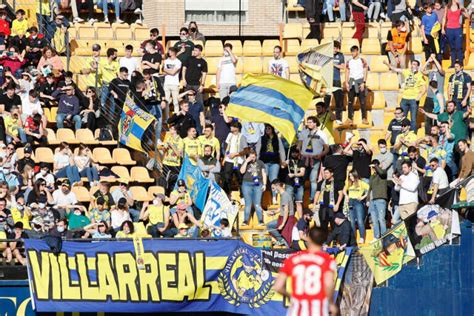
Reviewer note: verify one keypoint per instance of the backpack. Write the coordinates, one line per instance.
(104, 134)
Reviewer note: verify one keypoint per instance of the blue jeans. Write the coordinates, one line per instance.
(158, 114)
(21, 136)
(455, 44)
(105, 8)
(412, 106)
(91, 173)
(272, 229)
(69, 172)
(395, 215)
(104, 95)
(298, 197)
(253, 196)
(134, 215)
(313, 178)
(357, 213)
(60, 117)
(272, 170)
(377, 209)
(329, 7)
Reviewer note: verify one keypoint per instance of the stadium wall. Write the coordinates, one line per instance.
(442, 285)
(263, 18)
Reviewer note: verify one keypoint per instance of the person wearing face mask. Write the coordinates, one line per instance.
(209, 165)
(158, 216)
(194, 33)
(385, 158)
(36, 43)
(108, 69)
(10, 178)
(184, 46)
(414, 87)
(42, 218)
(20, 213)
(61, 230)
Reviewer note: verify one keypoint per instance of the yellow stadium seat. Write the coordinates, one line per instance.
(371, 46)
(389, 82)
(82, 194)
(214, 48)
(72, 31)
(373, 81)
(85, 31)
(308, 43)
(347, 31)
(139, 194)
(52, 115)
(268, 46)
(295, 78)
(293, 30)
(331, 32)
(252, 48)
(141, 34)
(292, 47)
(52, 140)
(376, 64)
(118, 45)
(104, 142)
(66, 135)
(102, 156)
(212, 65)
(236, 47)
(372, 31)
(416, 46)
(85, 136)
(470, 64)
(252, 65)
(155, 190)
(291, 6)
(347, 43)
(140, 174)
(378, 100)
(121, 172)
(122, 157)
(44, 154)
(104, 33)
(292, 64)
(123, 34)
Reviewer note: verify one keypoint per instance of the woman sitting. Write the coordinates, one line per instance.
(64, 166)
(86, 165)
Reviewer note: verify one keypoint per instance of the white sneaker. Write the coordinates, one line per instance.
(119, 21)
(106, 20)
(383, 16)
(338, 122)
(78, 20)
(137, 11)
(361, 241)
(91, 21)
(139, 21)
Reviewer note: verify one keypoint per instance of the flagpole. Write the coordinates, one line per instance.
(157, 137)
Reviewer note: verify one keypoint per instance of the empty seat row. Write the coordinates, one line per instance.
(139, 193)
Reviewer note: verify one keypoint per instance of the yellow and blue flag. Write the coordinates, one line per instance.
(196, 183)
(133, 124)
(273, 100)
(315, 66)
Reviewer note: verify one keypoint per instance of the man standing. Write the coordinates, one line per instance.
(282, 228)
(313, 145)
(182, 120)
(108, 70)
(312, 278)
(328, 198)
(236, 143)
(361, 157)
(209, 165)
(459, 87)
(439, 181)
(407, 185)
(378, 198)
(405, 139)
(151, 59)
(253, 133)
(278, 66)
(338, 94)
(195, 72)
(356, 76)
(184, 46)
(208, 139)
(314, 14)
(427, 22)
(358, 9)
(196, 109)
(397, 44)
(171, 68)
(118, 89)
(225, 76)
(191, 146)
(414, 87)
(128, 61)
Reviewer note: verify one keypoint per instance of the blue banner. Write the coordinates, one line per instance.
(173, 276)
(195, 182)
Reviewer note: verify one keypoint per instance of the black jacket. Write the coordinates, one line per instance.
(343, 235)
(182, 123)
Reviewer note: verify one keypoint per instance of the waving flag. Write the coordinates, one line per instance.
(133, 124)
(273, 100)
(316, 68)
(195, 182)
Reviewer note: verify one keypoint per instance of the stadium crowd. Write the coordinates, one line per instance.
(337, 185)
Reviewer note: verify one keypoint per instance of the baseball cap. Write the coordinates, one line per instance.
(161, 196)
(181, 183)
(100, 201)
(28, 150)
(96, 47)
(339, 215)
(66, 183)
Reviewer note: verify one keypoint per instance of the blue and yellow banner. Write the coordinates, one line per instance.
(174, 276)
(195, 182)
(273, 100)
(315, 66)
(133, 124)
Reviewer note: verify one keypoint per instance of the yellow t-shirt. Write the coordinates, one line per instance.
(43, 7)
(186, 199)
(122, 234)
(17, 217)
(108, 70)
(192, 147)
(11, 125)
(156, 214)
(410, 137)
(412, 84)
(357, 191)
(213, 142)
(170, 157)
(19, 27)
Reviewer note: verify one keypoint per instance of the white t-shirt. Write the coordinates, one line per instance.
(27, 108)
(61, 159)
(227, 70)
(83, 161)
(278, 67)
(172, 64)
(234, 145)
(49, 178)
(356, 68)
(440, 178)
(131, 64)
(64, 199)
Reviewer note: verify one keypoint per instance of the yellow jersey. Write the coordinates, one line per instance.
(213, 142)
(170, 157)
(108, 70)
(356, 191)
(412, 84)
(410, 137)
(192, 147)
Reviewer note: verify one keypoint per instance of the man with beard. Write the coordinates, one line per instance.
(209, 165)
(108, 70)
(299, 236)
(342, 234)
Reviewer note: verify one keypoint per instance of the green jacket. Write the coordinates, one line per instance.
(378, 184)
